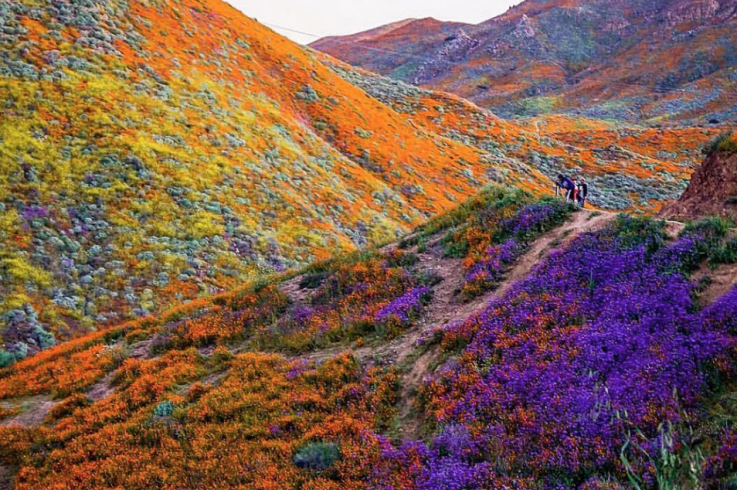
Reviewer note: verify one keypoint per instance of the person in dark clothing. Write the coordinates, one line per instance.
(583, 192)
(567, 185)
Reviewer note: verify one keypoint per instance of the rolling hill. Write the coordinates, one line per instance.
(159, 151)
(658, 61)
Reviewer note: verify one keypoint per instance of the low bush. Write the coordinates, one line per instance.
(725, 254)
(724, 143)
(164, 409)
(68, 406)
(317, 456)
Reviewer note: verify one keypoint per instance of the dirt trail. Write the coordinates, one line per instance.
(292, 289)
(102, 389)
(33, 412)
(447, 307)
(722, 280)
(582, 222)
(141, 350)
(6, 478)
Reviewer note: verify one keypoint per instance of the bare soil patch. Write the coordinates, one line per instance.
(33, 411)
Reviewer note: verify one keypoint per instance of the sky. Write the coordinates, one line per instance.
(338, 17)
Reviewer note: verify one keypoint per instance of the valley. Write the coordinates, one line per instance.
(229, 261)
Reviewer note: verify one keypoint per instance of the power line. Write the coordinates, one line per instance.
(291, 30)
(655, 89)
(351, 43)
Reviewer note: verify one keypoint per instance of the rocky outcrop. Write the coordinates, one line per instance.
(712, 192)
(524, 28)
(687, 11)
(455, 49)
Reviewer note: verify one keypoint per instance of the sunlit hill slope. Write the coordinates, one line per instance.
(155, 151)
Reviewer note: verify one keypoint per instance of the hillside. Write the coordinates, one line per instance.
(159, 151)
(630, 60)
(713, 187)
(510, 343)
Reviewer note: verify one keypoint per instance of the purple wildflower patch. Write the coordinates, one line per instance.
(404, 308)
(600, 340)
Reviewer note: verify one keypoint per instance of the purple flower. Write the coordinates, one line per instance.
(31, 213)
(601, 338)
(404, 307)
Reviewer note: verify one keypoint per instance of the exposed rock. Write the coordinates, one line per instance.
(690, 11)
(33, 412)
(524, 28)
(456, 48)
(712, 192)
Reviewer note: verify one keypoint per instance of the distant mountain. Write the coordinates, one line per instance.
(635, 60)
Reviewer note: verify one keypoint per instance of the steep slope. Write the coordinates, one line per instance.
(157, 151)
(713, 188)
(154, 151)
(567, 366)
(629, 60)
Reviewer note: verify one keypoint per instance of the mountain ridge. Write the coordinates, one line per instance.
(567, 57)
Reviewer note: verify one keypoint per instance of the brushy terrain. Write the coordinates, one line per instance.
(154, 152)
(602, 368)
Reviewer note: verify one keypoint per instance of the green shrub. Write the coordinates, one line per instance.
(6, 359)
(220, 359)
(164, 409)
(712, 228)
(430, 278)
(724, 143)
(317, 456)
(491, 197)
(725, 254)
(633, 231)
(401, 259)
(454, 247)
(113, 335)
(312, 281)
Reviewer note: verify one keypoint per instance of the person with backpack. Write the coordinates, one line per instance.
(567, 185)
(583, 192)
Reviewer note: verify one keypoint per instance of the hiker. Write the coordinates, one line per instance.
(583, 192)
(567, 185)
